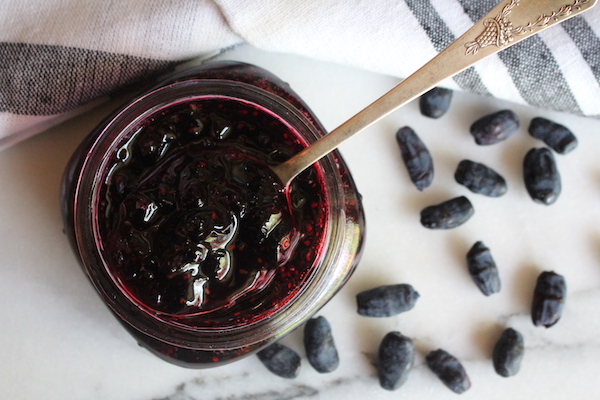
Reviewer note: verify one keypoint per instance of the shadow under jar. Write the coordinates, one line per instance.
(185, 232)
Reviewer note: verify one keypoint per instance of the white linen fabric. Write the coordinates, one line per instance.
(59, 57)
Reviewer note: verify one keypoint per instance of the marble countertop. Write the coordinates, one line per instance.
(60, 342)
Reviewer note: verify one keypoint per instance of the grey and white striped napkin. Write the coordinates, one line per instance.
(59, 57)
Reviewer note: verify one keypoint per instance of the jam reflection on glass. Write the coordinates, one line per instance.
(195, 228)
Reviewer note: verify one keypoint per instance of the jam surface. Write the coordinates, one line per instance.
(193, 224)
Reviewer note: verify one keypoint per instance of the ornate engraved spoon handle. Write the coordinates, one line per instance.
(508, 23)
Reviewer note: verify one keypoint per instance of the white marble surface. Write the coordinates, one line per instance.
(60, 342)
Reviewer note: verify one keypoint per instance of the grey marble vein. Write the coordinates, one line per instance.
(292, 392)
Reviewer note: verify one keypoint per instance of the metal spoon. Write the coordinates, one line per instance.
(508, 23)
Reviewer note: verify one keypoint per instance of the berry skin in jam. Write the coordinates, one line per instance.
(195, 226)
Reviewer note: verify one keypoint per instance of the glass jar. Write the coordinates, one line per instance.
(197, 250)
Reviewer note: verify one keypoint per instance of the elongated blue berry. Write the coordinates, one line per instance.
(280, 360)
(447, 215)
(541, 176)
(495, 128)
(482, 269)
(385, 301)
(449, 370)
(396, 358)
(319, 345)
(416, 157)
(558, 137)
(436, 102)
(508, 353)
(548, 299)
(480, 179)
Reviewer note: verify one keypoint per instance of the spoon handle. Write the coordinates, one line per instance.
(508, 23)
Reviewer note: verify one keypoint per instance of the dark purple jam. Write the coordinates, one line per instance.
(193, 225)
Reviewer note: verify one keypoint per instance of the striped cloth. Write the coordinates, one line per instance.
(59, 57)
